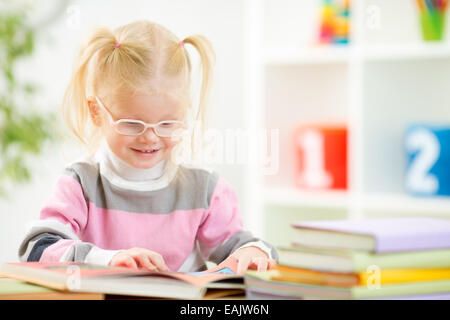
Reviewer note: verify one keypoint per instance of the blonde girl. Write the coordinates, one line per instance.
(128, 202)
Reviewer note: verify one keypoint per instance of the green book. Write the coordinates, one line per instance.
(12, 289)
(16, 287)
(340, 260)
(261, 282)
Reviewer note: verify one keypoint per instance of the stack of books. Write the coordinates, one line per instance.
(398, 258)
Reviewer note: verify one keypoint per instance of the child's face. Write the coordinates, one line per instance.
(151, 108)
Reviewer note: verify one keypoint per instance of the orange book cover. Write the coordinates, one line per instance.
(336, 279)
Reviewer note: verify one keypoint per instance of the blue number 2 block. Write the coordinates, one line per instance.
(427, 149)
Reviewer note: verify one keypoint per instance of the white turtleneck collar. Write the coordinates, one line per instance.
(120, 173)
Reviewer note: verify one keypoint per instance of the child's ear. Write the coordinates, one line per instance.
(94, 111)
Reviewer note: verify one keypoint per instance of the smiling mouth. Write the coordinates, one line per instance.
(146, 151)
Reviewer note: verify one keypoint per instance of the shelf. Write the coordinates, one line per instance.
(406, 51)
(337, 200)
(299, 198)
(307, 55)
(344, 54)
(401, 203)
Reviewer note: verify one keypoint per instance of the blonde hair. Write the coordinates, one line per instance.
(123, 60)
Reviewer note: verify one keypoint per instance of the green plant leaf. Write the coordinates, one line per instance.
(21, 133)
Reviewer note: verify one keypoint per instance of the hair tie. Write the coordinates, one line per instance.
(117, 45)
(181, 43)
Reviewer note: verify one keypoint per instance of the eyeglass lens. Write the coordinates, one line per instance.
(163, 129)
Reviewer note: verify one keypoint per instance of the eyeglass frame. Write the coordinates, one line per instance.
(146, 125)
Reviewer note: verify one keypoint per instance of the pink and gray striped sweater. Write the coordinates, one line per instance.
(101, 205)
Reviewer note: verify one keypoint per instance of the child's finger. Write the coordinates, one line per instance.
(158, 261)
(272, 263)
(243, 263)
(126, 261)
(145, 262)
(261, 263)
(131, 263)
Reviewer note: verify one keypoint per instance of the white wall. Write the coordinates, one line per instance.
(220, 21)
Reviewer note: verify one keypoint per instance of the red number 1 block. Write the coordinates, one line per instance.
(321, 157)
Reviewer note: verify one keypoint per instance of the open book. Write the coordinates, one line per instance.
(80, 277)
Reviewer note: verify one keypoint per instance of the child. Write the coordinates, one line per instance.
(128, 203)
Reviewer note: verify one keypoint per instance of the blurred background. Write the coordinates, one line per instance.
(344, 104)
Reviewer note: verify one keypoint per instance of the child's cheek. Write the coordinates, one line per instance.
(169, 143)
(119, 144)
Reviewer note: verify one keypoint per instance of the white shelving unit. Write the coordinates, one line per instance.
(288, 196)
(386, 79)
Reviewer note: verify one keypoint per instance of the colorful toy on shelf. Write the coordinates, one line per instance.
(427, 149)
(321, 156)
(432, 18)
(334, 25)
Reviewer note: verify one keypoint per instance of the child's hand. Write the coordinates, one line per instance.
(139, 258)
(252, 258)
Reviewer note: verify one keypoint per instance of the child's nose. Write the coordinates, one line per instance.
(149, 135)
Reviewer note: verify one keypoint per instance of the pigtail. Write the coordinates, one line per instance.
(207, 61)
(74, 106)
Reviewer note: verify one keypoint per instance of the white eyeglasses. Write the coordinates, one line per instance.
(130, 127)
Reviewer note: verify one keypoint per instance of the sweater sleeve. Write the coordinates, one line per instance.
(221, 232)
(55, 236)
